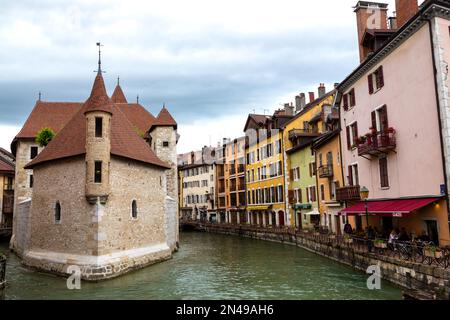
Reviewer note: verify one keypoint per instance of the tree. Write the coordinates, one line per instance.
(44, 136)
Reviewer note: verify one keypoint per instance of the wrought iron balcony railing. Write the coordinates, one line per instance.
(348, 193)
(377, 143)
(325, 171)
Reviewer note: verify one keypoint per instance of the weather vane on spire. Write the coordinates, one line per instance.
(99, 71)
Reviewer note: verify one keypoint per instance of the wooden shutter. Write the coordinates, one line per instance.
(307, 195)
(291, 196)
(345, 102)
(349, 145)
(370, 79)
(383, 119)
(380, 76)
(300, 196)
(313, 194)
(374, 120)
(384, 178)
(291, 174)
(350, 176)
(352, 98)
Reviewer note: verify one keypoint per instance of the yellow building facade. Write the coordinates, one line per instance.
(265, 179)
(301, 181)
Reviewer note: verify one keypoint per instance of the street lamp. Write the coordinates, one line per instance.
(364, 193)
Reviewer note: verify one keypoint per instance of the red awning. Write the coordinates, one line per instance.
(390, 208)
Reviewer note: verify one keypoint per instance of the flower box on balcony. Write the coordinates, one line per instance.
(433, 253)
(380, 244)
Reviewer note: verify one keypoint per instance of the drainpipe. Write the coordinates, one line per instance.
(436, 88)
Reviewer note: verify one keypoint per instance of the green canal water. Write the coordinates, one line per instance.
(210, 266)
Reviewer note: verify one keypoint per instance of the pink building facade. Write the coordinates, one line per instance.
(395, 122)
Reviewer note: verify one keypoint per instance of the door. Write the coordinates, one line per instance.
(432, 230)
(388, 225)
(338, 225)
(281, 218)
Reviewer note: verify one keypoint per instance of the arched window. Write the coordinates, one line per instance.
(134, 209)
(57, 212)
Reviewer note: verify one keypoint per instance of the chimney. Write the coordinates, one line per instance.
(369, 15)
(322, 90)
(300, 102)
(311, 97)
(393, 23)
(405, 9)
(288, 109)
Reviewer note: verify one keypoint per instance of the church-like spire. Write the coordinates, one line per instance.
(99, 99)
(118, 96)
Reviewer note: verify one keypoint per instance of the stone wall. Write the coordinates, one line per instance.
(103, 240)
(21, 225)
(22, 191)
(172, 228)
(414, 277)
(2, 273)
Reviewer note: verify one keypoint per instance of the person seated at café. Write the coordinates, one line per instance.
(348, 228)
(424, 237)
(403, 236)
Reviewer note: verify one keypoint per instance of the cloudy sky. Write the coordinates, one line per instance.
(211, 62)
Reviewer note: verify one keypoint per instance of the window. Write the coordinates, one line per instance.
(384, 178)
(312, 194)
(376, 80)
(134, 211)
(98, 172)
(33, 152)
(312, 169)
(352, 135)
(322, 192)
(165, 144)
(349, 100)
(8, 184)
(57, 212)
(380, 119)
(352, 98)
(353, 176)
(98, 127)
(280, 194)
(296, 174)
(31, 181)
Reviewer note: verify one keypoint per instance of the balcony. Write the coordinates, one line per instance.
(348, 193)
(377, 143)
(325, 171)
(298, 133)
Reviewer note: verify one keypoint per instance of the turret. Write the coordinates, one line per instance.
(163, 139)
(98, 115)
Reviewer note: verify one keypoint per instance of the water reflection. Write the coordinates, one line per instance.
(212, 266)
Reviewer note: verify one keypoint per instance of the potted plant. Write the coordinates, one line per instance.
(390, 130)
(379, 243)
(362, 140)
(348, 239)
(433, 252)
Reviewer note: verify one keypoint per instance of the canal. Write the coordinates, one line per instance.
(210, 266)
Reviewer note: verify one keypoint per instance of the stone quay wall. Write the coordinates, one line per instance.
(418, 280)
(2, 272)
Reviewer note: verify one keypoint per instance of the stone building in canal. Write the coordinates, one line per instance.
(103, 193)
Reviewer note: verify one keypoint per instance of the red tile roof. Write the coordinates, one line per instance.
(138, 116)
(164, 119)
(57, 114)
(98, 100)
(118, 96)
(6, 166)
(125, 142)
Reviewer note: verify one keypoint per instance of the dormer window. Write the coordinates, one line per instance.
(98, 127)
